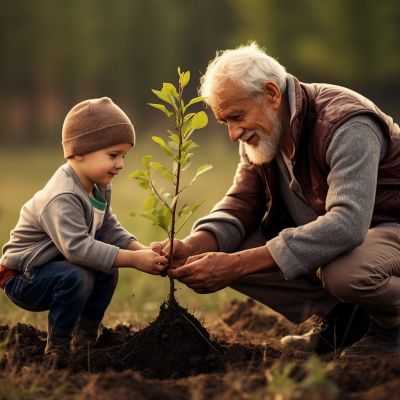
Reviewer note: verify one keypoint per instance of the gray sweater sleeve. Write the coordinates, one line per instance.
(113, 232)
(64, 222)
(353, 157)
(227, 230)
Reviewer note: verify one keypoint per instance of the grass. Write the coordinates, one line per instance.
(138, 295)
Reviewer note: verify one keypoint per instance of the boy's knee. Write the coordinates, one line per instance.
(80, 281)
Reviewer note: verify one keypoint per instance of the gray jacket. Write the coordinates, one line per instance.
(57, 221)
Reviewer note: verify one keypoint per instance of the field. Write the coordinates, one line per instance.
(138, 295)
(242, 359)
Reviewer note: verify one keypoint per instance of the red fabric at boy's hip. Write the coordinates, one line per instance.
(5, 275)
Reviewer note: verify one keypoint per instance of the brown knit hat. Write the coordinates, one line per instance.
(93, 125)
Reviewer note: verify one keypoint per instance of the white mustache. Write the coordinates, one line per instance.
(247, 135)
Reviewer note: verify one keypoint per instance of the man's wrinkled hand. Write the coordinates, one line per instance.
(208, 272)
(158, 247)
(181, 252)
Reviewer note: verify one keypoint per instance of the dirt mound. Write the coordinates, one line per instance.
(174, 345)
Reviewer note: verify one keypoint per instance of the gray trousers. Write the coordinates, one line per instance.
(368, 276)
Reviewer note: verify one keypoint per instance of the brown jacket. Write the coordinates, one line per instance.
(320, 110)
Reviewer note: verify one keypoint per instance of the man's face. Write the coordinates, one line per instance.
(250, 119)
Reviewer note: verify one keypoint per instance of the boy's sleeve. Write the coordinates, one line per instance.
(64, 221)
(113, 232)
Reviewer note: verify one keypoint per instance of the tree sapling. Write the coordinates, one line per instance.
(166, 208)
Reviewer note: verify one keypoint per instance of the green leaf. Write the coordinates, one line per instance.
(150, 217)
(184, 79)
(200, 120)
(164, 218)
(164, 171)
(203, 168)
(162, 108)
(189, 145)
(165, 96)
(168, 175)
(173, 146)
(139, 174)
(195, 207)
(144, 184)
(187, 128)
(188, 117)
(170, 89)
(195, 100)
(162, 144)
(145, 161)
(184, 211)
(156, 165)
(174, 137)
(150, 203)
(133, 214)
(186, 161)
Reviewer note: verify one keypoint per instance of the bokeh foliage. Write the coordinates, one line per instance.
(55, 52)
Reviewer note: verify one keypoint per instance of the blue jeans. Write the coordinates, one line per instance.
(68, 291)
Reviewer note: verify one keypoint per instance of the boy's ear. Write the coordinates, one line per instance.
(78, 157)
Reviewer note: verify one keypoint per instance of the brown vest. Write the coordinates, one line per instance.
(320, 110)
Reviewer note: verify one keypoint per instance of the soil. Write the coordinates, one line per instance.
(175, 357)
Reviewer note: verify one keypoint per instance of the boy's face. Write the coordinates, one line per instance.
(99, 167)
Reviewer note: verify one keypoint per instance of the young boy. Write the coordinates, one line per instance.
(65, 251)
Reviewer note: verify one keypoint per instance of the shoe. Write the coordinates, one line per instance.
(343, 326)
(85, 335)
(58, 350)
(377, 342)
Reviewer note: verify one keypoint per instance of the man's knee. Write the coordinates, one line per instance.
(348, 282)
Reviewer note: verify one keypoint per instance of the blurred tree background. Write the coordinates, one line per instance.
(55, 53)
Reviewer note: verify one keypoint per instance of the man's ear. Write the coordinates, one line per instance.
(272, 94)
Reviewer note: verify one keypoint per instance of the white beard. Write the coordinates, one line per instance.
(268, 145)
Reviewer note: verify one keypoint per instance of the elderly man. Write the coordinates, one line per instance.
(311, 224)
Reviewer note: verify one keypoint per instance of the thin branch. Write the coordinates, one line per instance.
(184, 222)
(158, 194)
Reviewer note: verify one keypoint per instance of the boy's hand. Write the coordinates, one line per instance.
(149, 261)
(143, 259)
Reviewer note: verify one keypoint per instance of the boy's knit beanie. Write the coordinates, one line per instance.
(93, 125)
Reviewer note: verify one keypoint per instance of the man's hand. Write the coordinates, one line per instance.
(181, 250)
(158, 247)
(209, 272)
